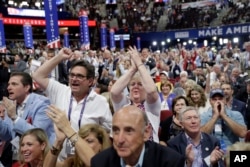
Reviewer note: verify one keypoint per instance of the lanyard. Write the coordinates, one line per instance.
(82, 110)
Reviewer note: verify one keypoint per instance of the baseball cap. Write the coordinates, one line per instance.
(165, 73)
(216, 92)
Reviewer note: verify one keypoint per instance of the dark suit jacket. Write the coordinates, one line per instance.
(243, 96)
(63, 73)
(155, 155)
(6, 157)
(208, 143)
(240, 106)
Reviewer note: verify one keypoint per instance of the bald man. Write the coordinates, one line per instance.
(131, 146)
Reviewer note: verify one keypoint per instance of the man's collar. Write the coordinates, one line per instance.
(139, 162)
(22, 105)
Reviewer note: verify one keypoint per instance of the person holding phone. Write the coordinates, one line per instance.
(227, 125)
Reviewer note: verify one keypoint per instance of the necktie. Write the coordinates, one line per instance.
(142, 107)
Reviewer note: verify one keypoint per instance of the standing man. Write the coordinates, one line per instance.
(147, 59)
(130, 128)
(245, 58)
(20, 64)
(200, 148)
(25, 110)
(231, 102)
(226, 125)
(244, 95)
(79, 101)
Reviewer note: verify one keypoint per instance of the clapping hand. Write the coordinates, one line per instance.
(58, 117)
(189, 155)
(10, 105)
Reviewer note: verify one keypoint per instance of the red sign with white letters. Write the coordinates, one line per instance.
(41, 22)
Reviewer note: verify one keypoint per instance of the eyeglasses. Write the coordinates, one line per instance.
(77, 76)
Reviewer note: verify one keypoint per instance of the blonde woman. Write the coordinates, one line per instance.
(88, 141)
(197, 98)
(33, 147)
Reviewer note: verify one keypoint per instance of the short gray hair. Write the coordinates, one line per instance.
(184, 110)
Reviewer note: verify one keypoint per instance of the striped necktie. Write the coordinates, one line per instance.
(142, 107)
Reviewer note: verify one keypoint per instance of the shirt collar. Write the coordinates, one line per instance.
(140, 161)
(190, 140)
(24, 102)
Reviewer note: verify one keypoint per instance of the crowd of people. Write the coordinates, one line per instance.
(103, 108)
(145, 15)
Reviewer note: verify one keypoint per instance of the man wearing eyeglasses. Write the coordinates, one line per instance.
(80, 103)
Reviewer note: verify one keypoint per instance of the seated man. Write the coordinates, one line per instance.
(130, 145)
(227, 125)
(25, 110)
(199, 148)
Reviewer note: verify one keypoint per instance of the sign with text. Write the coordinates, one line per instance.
(40, 22)
(2, 36)
(28, 36)
(219, 31)
(112, 39)
(103, 36)
(84, 30)
(51, 19)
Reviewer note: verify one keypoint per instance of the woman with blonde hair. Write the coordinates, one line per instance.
(88, 141)
(197, 98)
(34, 146)
(188, 85)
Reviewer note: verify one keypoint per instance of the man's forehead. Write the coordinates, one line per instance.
(15, 78)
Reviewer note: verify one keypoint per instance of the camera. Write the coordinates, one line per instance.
(9, 59)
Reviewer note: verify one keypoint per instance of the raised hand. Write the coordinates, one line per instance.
(65, 53)
(60, 136)
(10, 105)
(135, 57)
(189, 155)
(58, 117)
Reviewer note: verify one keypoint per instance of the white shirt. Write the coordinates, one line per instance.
(152, 111)
(96, 109)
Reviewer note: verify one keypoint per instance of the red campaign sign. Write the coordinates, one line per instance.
(40, 22)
